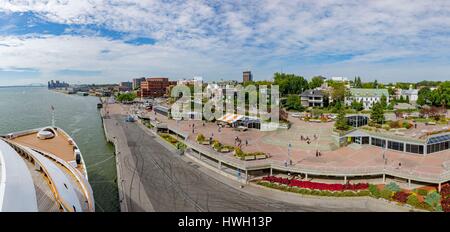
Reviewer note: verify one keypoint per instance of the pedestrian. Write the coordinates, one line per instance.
(203, 123)
(290, 162)
(246, 142)
(399, 164)
(285, 163)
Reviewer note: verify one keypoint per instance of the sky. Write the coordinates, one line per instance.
(107, 41)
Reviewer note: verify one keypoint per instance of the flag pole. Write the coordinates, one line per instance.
(53, 116)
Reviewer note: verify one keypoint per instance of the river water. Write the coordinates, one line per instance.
(23, 108)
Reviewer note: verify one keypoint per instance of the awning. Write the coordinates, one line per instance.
(230, 118)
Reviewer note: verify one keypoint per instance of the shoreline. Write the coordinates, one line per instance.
(122, 204)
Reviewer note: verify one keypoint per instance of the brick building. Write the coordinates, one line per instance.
(154, 87)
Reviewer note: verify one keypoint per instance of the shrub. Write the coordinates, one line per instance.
(422, 192)
(413, 201)
(349, 193)
(363, 193)
(401, 197)
(374, 191)
(393, 187)
(386, 194)
(433, 199)
(200, 138)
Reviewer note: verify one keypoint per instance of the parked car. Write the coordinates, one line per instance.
(295, 115)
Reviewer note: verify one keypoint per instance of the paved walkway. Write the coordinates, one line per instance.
(360, 158)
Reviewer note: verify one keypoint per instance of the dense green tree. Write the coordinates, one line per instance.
(316, 81)
(339, 91)
(357, 83)
(377, 113)
(424, 96)
(290, 83)
(293, 103)
(341, 121)
(358, 106)
(121, 97)
(383, 101)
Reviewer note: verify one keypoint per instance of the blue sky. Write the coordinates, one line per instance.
(111, 41)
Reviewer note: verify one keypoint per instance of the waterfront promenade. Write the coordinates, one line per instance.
(355, 161)
(152, 176)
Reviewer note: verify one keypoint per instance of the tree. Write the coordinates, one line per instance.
(339, 91)
(293, 103)
(357, 83)
(377, 113)
(424, 96)
(121, 97)
(341, 121)
(383, 101)
(290, 83)
(315, 82)
(358, 106)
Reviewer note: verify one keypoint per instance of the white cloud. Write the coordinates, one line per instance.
(229, 35)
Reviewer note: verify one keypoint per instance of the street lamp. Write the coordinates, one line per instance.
(289, 153)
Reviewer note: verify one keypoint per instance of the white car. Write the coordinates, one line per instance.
(295, 115)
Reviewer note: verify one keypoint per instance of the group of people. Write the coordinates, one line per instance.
(307, 139)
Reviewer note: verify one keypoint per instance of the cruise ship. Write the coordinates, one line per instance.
(42, 170)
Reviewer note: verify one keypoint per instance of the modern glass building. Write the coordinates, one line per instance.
(432, 144)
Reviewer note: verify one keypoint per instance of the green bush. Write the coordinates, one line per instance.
(433, 199)
(200, 138)
(315, 192)
(413, 201)
(363, 193)
(393, 187)
(373, 189)
(386, 194)
(422, 192)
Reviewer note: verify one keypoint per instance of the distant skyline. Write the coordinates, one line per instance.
(112, 41)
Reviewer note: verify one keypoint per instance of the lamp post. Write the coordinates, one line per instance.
(289, 153)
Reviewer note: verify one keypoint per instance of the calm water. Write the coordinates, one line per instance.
(23, 108)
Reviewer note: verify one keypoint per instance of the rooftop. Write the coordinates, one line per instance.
(368, 92)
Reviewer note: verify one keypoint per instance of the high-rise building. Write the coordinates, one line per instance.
(125, 86)
(154, 87)
(137, 82)
(247, 76)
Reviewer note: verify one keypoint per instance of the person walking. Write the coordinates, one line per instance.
(246, 142)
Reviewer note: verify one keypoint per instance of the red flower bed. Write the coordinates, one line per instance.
(401, 197)
(445, 190)
(318, 186)
(445, 203)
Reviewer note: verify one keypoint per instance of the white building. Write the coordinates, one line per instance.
(411, 94)
(340, 79)
(367, 96)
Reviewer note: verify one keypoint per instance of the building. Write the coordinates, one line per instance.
(411, 94)
(339, 79)
(125, 86)
(367, 96)
(311, 98)
(57, 84)
(137, 82)
(247, 76)
(414, 144)
(154, 87)
(193, 81)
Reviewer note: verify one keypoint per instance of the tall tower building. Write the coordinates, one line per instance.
(247, 76)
